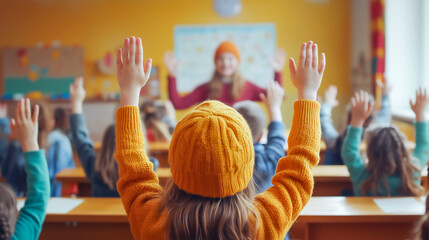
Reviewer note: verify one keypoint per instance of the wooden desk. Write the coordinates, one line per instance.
(323, 218)
(95, 218)
(333, 179)
(77, 175)
(351, 218)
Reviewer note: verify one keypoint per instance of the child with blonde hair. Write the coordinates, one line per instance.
(391, 169)
(26, 224)
(211, 195)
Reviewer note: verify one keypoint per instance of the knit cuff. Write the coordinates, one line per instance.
(129, 133)
(306, 124)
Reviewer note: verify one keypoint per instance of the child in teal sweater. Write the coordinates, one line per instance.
(28, 223)
(391, 169)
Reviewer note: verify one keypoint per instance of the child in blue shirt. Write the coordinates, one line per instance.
(391, 169)
(101, 170)
(27, 224)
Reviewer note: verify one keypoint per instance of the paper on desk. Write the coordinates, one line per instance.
(62, 205)
(56, 205)
(398, 205)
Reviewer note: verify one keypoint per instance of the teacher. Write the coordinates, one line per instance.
(227, 85)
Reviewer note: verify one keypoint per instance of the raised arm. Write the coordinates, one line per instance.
(329, 132)
(80, 134)
(384, 115)
(361, 109)
(421, 125)
(32, 215)
(198, 95)
(137, 182)
(280, 205)
(274, 149)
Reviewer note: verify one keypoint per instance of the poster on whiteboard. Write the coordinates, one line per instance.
(195, 46)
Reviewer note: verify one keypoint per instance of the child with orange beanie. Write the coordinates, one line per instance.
(226, 85)
(211, 194)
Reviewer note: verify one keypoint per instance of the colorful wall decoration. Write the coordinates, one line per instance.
(48, 70)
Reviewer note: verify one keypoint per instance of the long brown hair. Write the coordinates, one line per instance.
(215, 86)
(421, 229)
(195, 217)
(387, 155)
(45, 123)
(8, 212)
(105, 163)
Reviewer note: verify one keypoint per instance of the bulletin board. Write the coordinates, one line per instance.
(48, 70)
(195, 47)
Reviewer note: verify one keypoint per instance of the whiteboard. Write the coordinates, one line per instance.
(195, 46)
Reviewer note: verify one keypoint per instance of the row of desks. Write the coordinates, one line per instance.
(329, 180)
(323, 218)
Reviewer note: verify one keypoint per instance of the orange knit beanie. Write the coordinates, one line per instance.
(229, 47)
(211, 152)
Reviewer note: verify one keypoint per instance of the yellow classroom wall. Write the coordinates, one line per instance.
(100, 26)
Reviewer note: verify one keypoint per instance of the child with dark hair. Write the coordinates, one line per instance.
(101, 170)
(266, 155)
(391, 169)
(26, 224)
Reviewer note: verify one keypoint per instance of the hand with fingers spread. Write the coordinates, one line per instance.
(273, 100)
(361, 108)
(171, 63)
(279, 60)
(331, 96)
(307, 76)
(77, 95)
(132, 76)
(419, 107)
(24, 126)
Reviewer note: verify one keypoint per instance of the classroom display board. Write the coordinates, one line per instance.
(195, 47)
(48, 70)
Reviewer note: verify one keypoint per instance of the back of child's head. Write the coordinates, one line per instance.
(46, 124)
(211, 157)
(254, 116)
(105, 163)
(387, 155)
(8, 212)
(60, 116)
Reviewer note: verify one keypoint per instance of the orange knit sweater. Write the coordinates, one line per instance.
(277, 208)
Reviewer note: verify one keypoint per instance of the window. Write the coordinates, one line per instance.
(407, 51)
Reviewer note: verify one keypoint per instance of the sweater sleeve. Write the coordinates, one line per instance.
(422, 143)
(351, 154)
(274, 150)
(329, 133)
(137, 182)
(384, 116)
(82, 143)
(198, 95)
(32, 215)
(280, 205)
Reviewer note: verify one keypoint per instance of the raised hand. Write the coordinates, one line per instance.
(132, 76)
(361, 108)
(171, 63)
(273, 100)
(419, 107)
(331, 96)
(385, 87)
(24, 126)
(279, 60)
(307, 77)
(77, 95)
